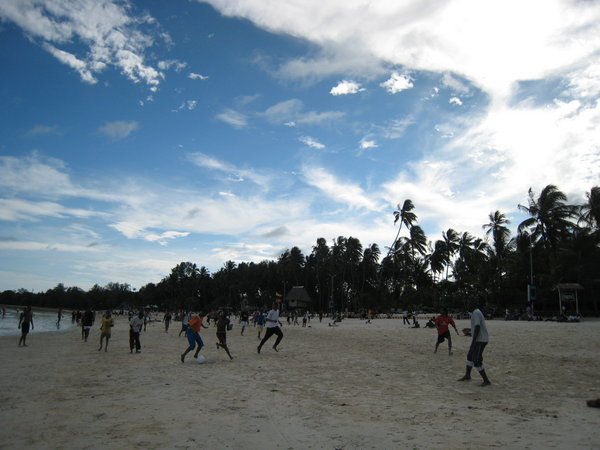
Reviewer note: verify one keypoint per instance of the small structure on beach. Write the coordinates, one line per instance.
(297, 298)
(567, 295)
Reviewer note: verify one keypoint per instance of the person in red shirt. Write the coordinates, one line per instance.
(442, 323)
(193, 335)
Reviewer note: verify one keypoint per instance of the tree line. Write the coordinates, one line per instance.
(557, 243)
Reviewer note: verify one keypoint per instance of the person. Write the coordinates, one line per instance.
(87, 321)
(105, 329)
(273, 324)
(58, 319)
(260, 322)
(478, 343)
(443, 332)
(222, 323)
(25, 323)
(193, 335)
(185, 317)
(405, 318)
(167, 320)
(135, 328)
(243, 321)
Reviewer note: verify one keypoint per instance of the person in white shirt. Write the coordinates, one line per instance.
(135, 328)
(272, 323)
(478, 343)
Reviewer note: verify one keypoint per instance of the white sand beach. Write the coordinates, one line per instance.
(353, 386)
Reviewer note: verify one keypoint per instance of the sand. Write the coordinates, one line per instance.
(353, 386)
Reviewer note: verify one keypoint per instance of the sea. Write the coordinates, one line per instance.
(44, 321)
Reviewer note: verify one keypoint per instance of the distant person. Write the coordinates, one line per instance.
(185, 317)
(478, 343)
(58, 319)
(405, 318)
(135, 328)
(260, 323)
(243, 321)
(25, 323)
(443, 332)
(167, 320)
(87, 321)
(105, 329)
(222, 325)
(193, 335)
(273, 324)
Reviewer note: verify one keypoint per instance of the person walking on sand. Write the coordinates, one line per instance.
(193, 335)
(479, 340)
(87, 321)
(135, 328)
(167, 320)
(273, 324)
(222, 324)
(25, 323)
(105, 329)
(441, 323)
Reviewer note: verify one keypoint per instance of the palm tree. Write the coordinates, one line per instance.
(590, 211)
(550, 216)
(405, 216)
(499, 231)
(451, 245)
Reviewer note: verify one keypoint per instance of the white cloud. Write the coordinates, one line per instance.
(455, 101)
(345, 87)
(291, 113)
(346, 193)
(172, 63)
(111, 36)
(311, 142)
(197, 76)
(234, 118)
(233, 173)
(119, 129)
(397, 83)
(188, 104)
(366, 144)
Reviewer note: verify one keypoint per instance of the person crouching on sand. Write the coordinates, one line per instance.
(193, 335)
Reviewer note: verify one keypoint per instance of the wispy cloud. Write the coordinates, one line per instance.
(292, 113)
(40, 130)
(197, 76)
(311, 142)
(233, 173)
(119, 129)
(234, 118)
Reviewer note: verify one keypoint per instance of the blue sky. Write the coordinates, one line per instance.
(136, 135)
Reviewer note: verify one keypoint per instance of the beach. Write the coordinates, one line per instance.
(350, 386)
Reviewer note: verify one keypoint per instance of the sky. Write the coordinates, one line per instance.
(135, 135)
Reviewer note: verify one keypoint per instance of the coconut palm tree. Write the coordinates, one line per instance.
(406, 218)
(590, 211)
(500, 233)
(549, 217)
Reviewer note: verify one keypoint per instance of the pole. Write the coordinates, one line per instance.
(531, 268)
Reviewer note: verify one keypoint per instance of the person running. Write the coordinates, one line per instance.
(443, 331)
(193, 335)
(87, 321)
(478, 343)
(260, 323)
(273, 324)
(135, 328)
(243, 321)
(222, 324)
(167, 320)
(105, 329)
(25, 323)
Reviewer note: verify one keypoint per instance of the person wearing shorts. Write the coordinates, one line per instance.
(105, 329)
(193, 335)
(25, 323)
(222, 324)
(442, 323)
(478, 343)
(243, 321)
